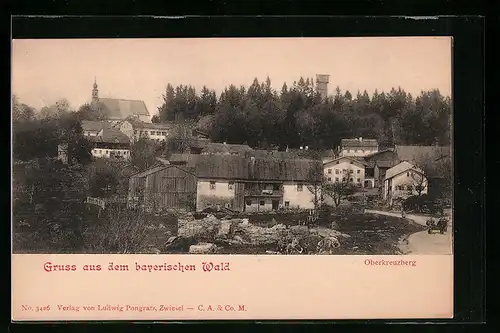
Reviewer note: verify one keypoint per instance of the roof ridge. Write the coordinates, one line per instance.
(124, 99)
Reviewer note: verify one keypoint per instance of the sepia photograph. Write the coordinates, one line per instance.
(247, 146)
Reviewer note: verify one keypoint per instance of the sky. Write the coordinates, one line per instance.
(46, 70)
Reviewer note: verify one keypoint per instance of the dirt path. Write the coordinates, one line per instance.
(422, 242)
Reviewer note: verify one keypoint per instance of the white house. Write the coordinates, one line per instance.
(110, 143)
(357, 147)
(345, 169)
(136, 130)
(404, 180)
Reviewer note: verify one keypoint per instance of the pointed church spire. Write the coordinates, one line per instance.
(95, 92)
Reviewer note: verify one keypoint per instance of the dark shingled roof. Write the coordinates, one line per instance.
(208, 147)
(236, 167)
(110, 135)
(94, 126)
(122, 108)
(385, 164)
(356, 142)
(413, 153)
(384, 158)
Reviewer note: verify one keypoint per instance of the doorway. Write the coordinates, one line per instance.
(275, 204)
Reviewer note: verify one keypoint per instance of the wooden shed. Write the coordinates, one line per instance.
(163, 187)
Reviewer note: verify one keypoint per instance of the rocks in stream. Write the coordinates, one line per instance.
(208, 234)
(203, 248)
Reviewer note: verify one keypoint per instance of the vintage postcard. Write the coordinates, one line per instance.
(232, 179)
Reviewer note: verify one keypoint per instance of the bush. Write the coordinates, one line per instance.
(122, 231)
(325, 215)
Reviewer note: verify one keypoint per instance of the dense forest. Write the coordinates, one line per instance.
(297, 116)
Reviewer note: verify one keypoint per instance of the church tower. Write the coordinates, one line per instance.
(95, 93)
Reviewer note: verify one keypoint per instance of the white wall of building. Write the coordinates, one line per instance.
(151, 133)
(107, 153)
(345, 170)
(214, 191)
(127, 129)
(297, 195)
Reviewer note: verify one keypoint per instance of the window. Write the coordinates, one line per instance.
(351, 180)
(212, 185)
(336, 171)
(261, 202)
(351, 162)
(359, 171)
(135, 131)
(336, 179)
(343, 179)
(329, 179)
(329, 171)
(337, 162)
(276, 187)
(299, 187)
(249, 202)
(359, 180)
(287, 203)
(230, 185)
(407, 174)
(351, 171)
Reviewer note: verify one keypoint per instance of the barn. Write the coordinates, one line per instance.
(163, 186)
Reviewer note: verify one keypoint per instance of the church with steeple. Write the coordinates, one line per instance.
(119, 109)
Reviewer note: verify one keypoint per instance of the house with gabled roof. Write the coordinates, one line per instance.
(107, 142)
(403, 180)
(118, 109)
(345, 169)
(435, 161)
(357, 147)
